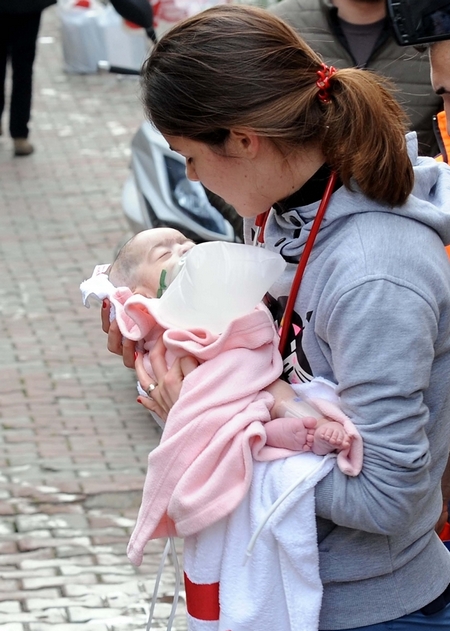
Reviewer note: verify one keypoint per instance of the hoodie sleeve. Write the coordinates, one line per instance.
(370, 331)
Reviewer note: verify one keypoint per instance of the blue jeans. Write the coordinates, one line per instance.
(412, 622)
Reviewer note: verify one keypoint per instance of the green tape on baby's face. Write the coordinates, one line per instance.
(162, 284)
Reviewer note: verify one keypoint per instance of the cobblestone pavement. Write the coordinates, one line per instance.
(73, 441)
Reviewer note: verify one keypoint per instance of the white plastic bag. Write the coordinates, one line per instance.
(126, 47)
(82, 37)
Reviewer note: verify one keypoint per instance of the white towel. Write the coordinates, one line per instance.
(98, 286)
(278, 587)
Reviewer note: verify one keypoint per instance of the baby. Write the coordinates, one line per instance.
(147, 265)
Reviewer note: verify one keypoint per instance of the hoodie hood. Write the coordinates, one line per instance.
(429, 203)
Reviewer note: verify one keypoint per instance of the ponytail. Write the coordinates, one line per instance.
(364, 137)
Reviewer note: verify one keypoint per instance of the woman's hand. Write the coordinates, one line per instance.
(167, 382)
(117, 344)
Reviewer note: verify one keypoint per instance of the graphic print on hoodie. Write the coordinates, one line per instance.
(296, 368)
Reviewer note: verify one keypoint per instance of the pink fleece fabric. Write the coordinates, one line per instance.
(204, 464)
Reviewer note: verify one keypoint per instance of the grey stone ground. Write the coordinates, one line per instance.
(73, 441)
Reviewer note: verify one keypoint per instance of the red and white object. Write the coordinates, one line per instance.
(126, 44)
(92, 32)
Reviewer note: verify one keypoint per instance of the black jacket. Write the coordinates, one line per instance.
(24, 6)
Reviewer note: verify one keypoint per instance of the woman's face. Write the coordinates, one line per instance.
(239, 179)
(250, 173)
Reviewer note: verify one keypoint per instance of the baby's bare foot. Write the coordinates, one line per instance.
(330, 436)
(309, 442)
(291, 433)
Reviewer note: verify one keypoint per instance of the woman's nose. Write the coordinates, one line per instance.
(190, 173)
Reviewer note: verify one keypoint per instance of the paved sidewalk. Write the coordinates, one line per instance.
(73, 441)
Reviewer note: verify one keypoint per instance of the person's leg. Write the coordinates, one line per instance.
(23, 51)
(5, 31)
(416, 621)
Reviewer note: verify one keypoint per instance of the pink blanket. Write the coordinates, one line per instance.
(203, 466)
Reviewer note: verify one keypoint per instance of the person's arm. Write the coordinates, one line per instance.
(281, 391)
(383, 367)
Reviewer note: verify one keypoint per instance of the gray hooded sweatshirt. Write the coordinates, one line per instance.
(373, 316)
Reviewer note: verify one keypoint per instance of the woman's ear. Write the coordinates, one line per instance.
(243, 143)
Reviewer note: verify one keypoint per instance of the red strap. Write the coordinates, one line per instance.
(202, 601)
(287, 316)
(260, 224)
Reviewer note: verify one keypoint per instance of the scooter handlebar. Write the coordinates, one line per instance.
(105, 66)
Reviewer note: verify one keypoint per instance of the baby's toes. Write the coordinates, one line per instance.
(309, 439)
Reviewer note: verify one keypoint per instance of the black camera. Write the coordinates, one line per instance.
(419, 21)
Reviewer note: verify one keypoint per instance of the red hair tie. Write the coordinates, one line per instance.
(323, 82)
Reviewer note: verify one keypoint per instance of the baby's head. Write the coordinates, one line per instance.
(149, 261)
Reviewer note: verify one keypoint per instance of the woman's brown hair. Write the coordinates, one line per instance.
(238, 66)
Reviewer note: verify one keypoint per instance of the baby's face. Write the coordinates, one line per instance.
(162, 249)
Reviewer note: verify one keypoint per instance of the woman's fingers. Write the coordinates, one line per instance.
(171, 384)
(143, 377)
(114, 343)
(119, 345)
(152, 406)
(128, 352)
(188, 364)
(167, 382)
(106, 307)
(152, 401)
(157, 357)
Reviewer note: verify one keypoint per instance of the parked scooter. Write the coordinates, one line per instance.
(157, 192)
